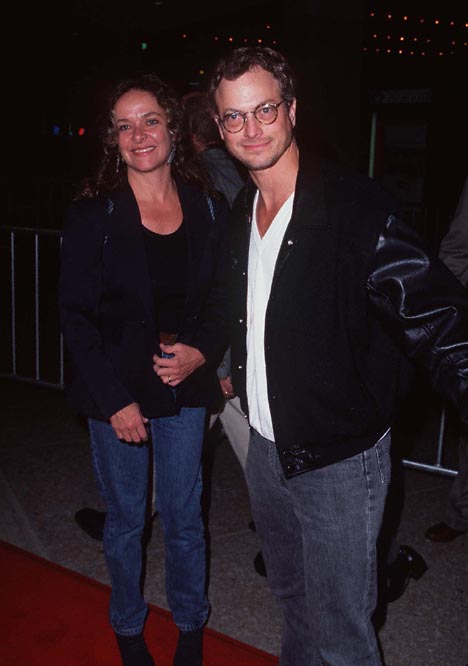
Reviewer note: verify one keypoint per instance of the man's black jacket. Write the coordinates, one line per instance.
(354, 296)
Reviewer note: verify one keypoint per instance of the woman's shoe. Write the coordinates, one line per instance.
(92, 522)
(133, 650)
(189, 651)
(408, 564)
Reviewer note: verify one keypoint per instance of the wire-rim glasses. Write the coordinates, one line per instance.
(265, 114)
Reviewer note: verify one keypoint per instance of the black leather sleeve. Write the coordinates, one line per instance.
(425, 306)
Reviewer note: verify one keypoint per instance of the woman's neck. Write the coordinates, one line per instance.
(155, 187)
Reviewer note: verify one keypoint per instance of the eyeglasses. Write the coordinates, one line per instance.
(265, 114)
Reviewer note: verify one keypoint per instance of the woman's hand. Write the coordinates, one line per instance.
(226, 388)
(184, 361)
(129, 424)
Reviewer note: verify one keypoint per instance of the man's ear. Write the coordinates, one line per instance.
(292, 112)
(220, 127)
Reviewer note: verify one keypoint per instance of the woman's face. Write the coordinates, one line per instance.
(143, 136)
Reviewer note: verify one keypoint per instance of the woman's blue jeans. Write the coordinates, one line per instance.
(318, 534)
(123, 473)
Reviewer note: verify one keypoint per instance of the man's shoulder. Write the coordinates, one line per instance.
(348, 185)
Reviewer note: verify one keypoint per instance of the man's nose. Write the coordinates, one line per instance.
(251, 126)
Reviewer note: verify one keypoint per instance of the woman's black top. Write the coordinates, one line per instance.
(167, 262)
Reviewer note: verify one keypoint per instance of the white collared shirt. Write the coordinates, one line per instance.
(263, 253)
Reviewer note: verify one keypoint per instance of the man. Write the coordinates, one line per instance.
(328, 288)
(454, 253)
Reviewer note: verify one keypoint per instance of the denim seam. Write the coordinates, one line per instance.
(365, 459)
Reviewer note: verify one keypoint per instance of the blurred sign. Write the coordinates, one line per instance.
(403, 96)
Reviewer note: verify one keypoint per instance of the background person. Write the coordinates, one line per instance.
(143, 303)
(203, 133)
(330, 293)
(454, 253)
(226, 178)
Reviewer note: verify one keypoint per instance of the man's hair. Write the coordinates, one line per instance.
(246, 58)
(199, 119)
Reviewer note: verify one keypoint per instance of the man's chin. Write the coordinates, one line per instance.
(259, 165)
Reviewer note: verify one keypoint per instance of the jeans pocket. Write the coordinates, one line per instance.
(382, 454)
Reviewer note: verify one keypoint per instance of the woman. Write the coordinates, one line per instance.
(142, 301)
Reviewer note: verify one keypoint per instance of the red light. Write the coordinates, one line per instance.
(81, 131)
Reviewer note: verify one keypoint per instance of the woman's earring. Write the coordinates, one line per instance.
(171, 156)
(118, 163)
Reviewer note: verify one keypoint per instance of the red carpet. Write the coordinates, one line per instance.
(50, 616)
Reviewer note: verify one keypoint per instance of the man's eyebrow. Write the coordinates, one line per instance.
(231, 109)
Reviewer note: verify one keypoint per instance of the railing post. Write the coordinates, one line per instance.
(36, 307)
(13, 302)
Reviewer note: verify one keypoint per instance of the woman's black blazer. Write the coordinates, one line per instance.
(107, 311)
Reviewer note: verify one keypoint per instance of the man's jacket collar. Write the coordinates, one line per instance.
(309, 207)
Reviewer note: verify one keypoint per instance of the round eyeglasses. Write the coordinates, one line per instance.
(265, 114)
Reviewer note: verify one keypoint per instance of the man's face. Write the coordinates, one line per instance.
(257, 146)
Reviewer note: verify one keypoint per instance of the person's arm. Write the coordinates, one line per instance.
(454, 246)
(80, 291)
(426, 306)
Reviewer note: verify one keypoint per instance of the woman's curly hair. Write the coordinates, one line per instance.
(108, 175)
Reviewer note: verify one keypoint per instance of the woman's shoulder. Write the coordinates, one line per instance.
(87, 206)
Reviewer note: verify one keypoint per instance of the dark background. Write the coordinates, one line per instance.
(61, 58)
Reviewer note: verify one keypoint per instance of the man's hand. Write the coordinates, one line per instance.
(184, 361)
(129, 424)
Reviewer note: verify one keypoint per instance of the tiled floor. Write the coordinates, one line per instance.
(46, 476)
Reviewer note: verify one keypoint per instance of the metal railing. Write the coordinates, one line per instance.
(437, 466)
(32, 347)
